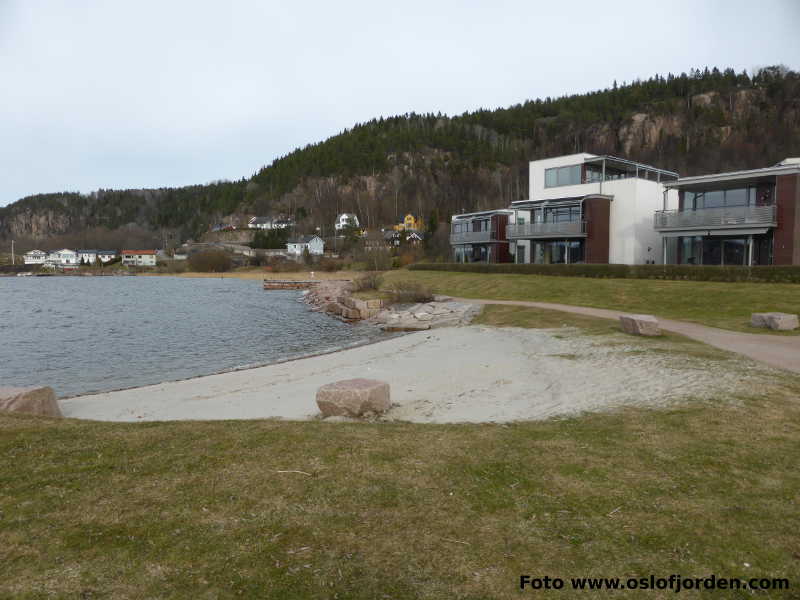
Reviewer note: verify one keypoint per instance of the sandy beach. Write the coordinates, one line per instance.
(450, 375)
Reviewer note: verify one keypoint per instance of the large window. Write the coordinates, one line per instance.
(557, 252)
(560, 214)
(746, 196)
(720, 250)
(559, 176)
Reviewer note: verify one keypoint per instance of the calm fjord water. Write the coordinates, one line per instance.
(85, 334)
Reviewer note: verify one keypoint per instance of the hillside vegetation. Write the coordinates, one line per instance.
(704, 121)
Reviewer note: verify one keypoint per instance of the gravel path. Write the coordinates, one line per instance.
(778, 351)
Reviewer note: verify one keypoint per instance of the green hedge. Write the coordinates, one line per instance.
(774, 274)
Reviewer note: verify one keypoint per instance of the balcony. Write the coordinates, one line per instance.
(563, 229)
(729, 217)
(473, 237)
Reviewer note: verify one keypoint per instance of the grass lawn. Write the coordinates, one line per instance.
(270, 509)
(725, 305)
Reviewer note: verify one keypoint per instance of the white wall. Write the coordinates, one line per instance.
(631, 220)
(536, 169)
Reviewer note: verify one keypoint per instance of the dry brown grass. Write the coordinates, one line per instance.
(187, 510)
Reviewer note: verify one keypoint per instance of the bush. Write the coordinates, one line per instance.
(770, 274)
(330, 265)
(210, 261)
(409, 292)
(282, 265)
(173, 266)
(370, 281)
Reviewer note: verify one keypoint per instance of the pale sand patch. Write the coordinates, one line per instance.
(463, 374)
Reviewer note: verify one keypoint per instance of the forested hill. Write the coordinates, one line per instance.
(700, 122)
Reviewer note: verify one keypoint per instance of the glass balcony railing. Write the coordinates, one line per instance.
(544, 230)
(729, 217)
(472, 237)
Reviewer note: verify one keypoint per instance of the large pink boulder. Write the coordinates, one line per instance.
(353, 398)
(31, 400)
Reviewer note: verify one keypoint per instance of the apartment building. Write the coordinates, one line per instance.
(480, 236)
(582, 208)
(737, 218)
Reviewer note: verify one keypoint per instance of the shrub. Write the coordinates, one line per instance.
(409, 292)
(282, 265)
(772, 274)
(370, 281)
(330, 265)
(210, 261)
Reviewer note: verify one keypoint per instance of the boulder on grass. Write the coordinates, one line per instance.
(30, 400)
(640, 324)
(353, 398)
(774, 320)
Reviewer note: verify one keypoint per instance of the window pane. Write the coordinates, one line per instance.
(714, 200)
(736, 197)
(550, 177)
(575, 175)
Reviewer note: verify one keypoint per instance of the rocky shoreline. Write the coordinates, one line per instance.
(335, 298)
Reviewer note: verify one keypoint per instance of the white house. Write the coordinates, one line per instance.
(106, 255)
(297, 246)
(346, 220)
(64, 259)
(35, 257)
(589, 208)
(139, 258)
(87, 257)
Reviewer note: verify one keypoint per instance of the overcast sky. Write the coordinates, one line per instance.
(141, 93)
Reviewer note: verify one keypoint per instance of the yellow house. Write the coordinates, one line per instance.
(410, 223)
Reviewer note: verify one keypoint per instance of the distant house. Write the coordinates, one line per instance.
(346, 220)
(87, 257)
(395, 238)
(63, 259)
(414, 238)
(106, 255)
(392, 237)
(297, 246)
(139, 258)
(35, 257)
(270, 222)
(374, 240)
(410, 223)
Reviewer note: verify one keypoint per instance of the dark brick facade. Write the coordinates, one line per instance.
(597, 214)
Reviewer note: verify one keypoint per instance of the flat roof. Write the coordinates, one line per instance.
(740, 176)
(483, 213)
(557, 201)
(630, 163)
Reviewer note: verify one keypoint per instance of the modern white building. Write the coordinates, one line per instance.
(346, 220)
(589, 208)
(139, 258)
(297, 246)
(35, 257)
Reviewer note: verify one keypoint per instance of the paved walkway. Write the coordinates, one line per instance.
(778, 351)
